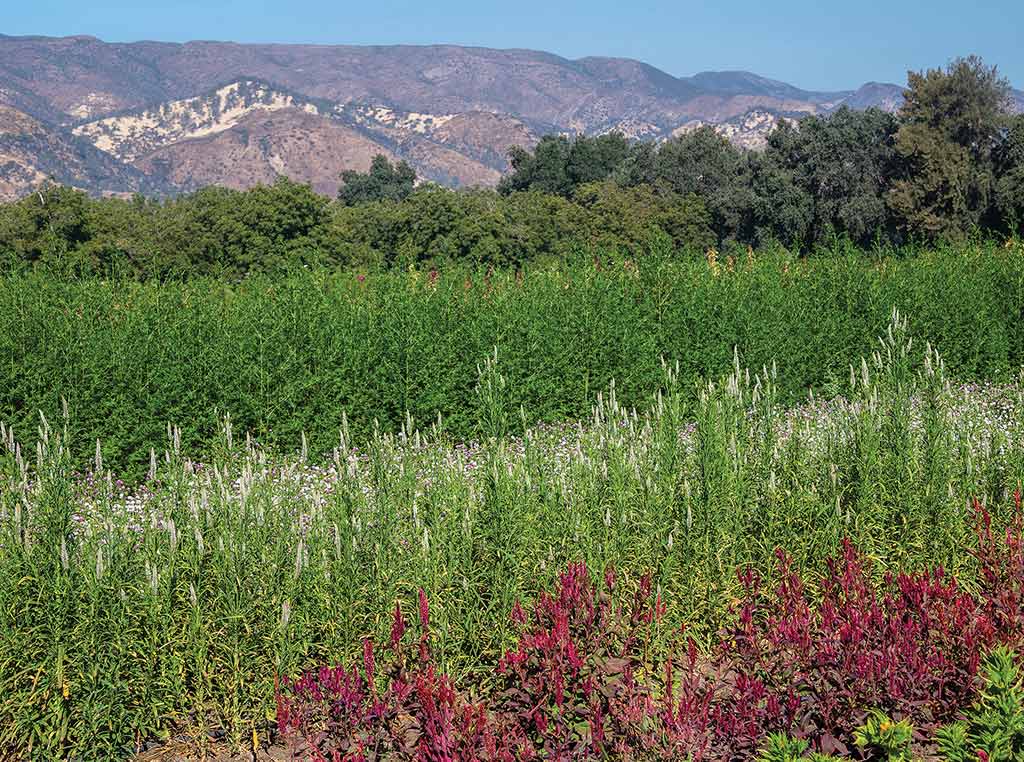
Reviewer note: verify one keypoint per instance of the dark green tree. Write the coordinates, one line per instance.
(967, 102)
(123, 236)
(543, 169)
(782, 210)
(384, 181)
(624, 219)
(705, 164)
(1010, 175)
(843, 163)
(229, 232)
(559, 165)
(951, 122)
(593, 159)
(49, 223)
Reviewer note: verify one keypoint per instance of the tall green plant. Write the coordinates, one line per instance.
(995, 725)
(173, 603)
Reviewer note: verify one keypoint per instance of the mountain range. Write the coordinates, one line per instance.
(162, 118)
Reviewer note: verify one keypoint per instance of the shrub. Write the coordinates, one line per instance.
(795, 673)
(572, 682)
(1000, 558)
(287, 354)
(881, 738)
(169, 606)
(993, 728)
(909, 648)
(333, 713)
(782, 748)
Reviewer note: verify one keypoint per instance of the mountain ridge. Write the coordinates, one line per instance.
(452, 111)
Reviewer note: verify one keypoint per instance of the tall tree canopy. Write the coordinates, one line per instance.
(952, 121)
(1010, 175)
(841, 165)
(707, 165)
(384, 182)
(560, 165)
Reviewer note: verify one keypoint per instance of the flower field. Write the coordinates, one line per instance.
(702, 572)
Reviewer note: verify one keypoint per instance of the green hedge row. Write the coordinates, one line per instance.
(288, 354)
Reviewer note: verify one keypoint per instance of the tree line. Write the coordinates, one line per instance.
(948, 165)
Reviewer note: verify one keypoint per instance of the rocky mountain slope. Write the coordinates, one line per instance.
(164, 117)
(31, 152)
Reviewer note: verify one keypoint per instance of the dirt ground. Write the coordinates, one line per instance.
(178, 751)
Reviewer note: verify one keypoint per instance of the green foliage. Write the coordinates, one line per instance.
(543, 169)
(840, 165)
(995, 725)
(286, 354)
(934, 199)
(782, 210)
(1010, 172)
(942, 168)
(954, 743)
(224, 232)
(879, 738)
(122, 621)
(384, 182)
(215, 231)
(628, 219)
(781, 748)
(230, 234)
(966, 102)
(594, 159)
(46, 224)
(949, 166)
(951, 122)
(558, 165)
(704, 164)
(437, 227)
(882, 739)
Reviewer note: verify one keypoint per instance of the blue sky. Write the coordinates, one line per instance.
(823, 44)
